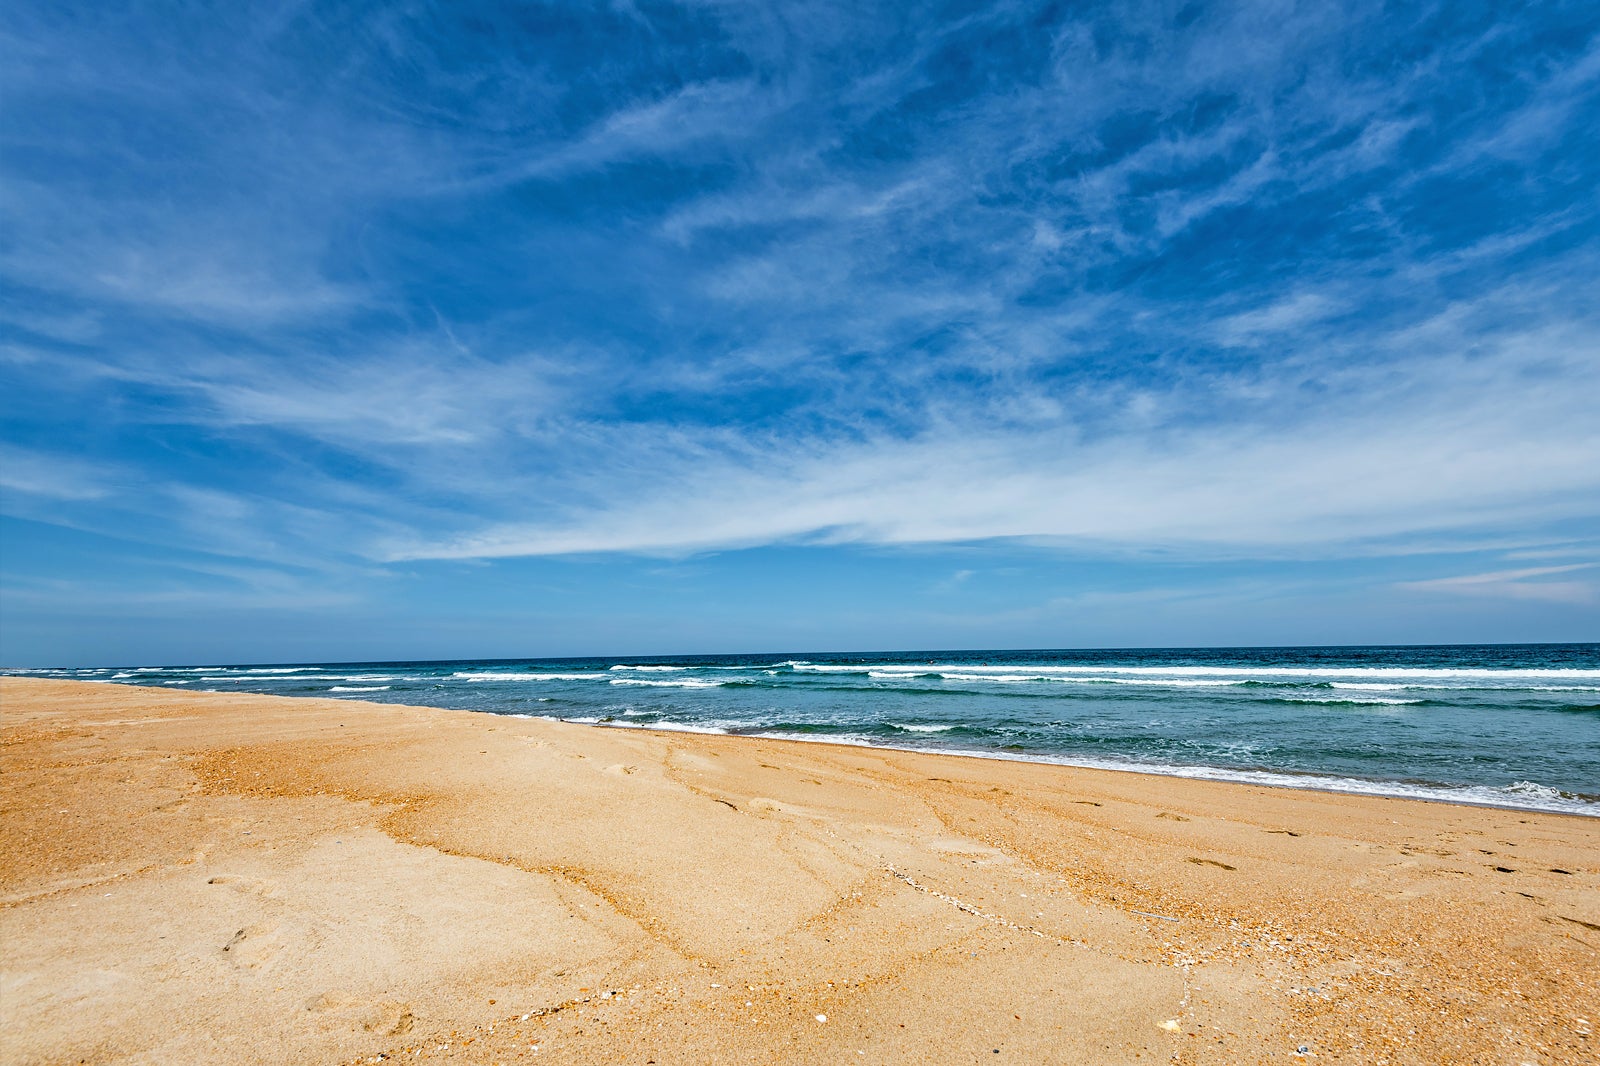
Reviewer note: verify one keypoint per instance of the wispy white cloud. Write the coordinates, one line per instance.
(1525, 584)
(1542, 121)
(1290, 313)
(53, 477)
(422, 397)
(221, 266)
(681, 121)
(1453, 442)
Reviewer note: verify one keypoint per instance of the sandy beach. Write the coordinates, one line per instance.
(194, 877)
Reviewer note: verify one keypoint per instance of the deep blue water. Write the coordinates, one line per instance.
(1508, 725)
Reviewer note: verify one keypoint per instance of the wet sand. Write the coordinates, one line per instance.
(190, 877)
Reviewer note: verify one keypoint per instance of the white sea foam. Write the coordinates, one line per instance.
(1535, 791)
(234, 673)
(1417, 686)
(1237, 673)
(918, 728)
(670, 727)
(266, 676)
(1373, 700)
(687, 682)
(1149, 682)
(612, 723)
(910, 674)
(503, 676)
(998, 679)
(654, 669)
(358, 688)
(1157, 682)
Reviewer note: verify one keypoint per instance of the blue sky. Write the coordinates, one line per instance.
(338, 331)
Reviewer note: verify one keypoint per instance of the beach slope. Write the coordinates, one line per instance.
(191, 877)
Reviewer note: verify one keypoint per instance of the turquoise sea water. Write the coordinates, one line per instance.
(1504, 725)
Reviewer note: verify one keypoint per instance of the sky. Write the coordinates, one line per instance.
(406, 330)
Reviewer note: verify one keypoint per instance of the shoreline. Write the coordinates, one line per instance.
(1552, 800)
(197, 876)
(1489, 729)
(1201, 772)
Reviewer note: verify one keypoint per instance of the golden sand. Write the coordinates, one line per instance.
(190, 878)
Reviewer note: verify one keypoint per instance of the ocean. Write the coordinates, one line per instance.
(1513, 726)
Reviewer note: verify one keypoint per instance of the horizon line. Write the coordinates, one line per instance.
(903, 652)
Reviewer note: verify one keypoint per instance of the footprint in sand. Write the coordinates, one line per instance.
(385, 1016)
(1211, 862)
(253, 946)
(253, 886)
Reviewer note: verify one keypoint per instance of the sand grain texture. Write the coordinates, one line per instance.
(190, 877)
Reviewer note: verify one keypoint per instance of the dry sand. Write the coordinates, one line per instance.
(196, 878)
